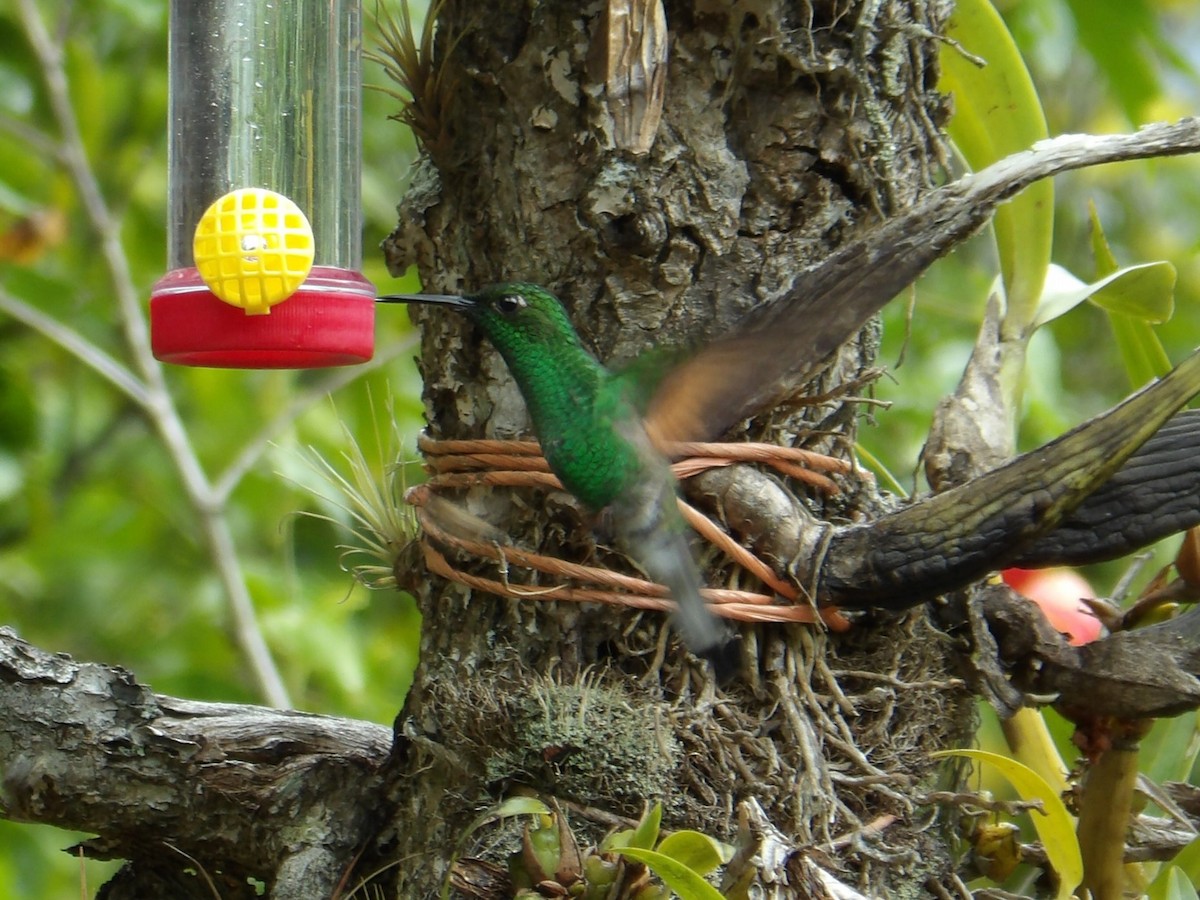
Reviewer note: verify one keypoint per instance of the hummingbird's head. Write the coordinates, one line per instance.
(510, 313)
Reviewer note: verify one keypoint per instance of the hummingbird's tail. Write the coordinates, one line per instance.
(652, 531)
(666, 557)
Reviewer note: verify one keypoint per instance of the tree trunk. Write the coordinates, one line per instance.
(786, 129)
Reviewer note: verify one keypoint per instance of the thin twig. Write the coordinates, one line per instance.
(78, 346)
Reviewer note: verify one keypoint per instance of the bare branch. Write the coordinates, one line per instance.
(78, 346)
(106, 226)
(284, 797)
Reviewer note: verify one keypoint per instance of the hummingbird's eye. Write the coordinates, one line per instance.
(509, 303)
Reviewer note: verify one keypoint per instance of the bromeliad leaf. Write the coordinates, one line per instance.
(1141, 351)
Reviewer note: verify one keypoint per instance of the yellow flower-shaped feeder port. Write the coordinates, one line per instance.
(253, 248)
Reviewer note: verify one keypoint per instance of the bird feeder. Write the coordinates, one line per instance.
(265, 229)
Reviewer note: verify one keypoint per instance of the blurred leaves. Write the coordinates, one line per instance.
(1128, 44)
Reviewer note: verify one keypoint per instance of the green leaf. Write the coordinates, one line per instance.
(997, 112)
(1186, 867)
(1144, 292)
(1106, 262)
(1055, 827)
(1174, 882)
(1147, 296)
(645, 836)
(685, 882)
(1170, 749)
(697, 851)
(1188, 859)
(513, 806)
(18, 415)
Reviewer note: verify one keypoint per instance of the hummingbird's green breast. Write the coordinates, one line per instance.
(579, 410)
(587, 450)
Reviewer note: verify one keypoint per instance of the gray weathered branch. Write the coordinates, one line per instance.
(235, 791)
(839, 294)
(1146, 673)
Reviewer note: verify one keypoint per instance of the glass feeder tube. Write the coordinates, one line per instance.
(264, 152)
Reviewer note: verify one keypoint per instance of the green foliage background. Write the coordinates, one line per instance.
(100, 554)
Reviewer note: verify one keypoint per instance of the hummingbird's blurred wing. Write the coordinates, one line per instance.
(780, 343)
(721, 384)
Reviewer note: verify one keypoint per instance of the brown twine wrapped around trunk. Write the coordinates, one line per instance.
(494, 463)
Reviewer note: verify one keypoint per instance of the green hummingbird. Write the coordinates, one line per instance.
(599, 435)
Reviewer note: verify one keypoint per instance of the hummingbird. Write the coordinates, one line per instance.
(598, 436)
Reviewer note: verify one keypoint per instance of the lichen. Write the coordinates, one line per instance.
(584, 740)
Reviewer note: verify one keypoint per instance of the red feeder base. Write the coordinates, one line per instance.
(329, 321)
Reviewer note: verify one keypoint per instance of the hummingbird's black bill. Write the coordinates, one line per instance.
(436, 299)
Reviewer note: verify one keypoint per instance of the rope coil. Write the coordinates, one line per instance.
(458, 464)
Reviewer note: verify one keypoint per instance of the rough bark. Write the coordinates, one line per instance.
(787, 129)
(183, 790)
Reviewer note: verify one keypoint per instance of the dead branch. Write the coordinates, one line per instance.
(234, 791)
